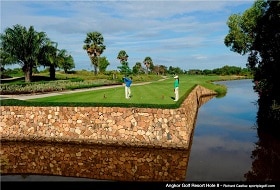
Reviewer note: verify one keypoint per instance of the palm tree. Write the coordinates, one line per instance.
(67, 63)
(52, 57)
(123, 57)
(94, 47)
(5, 58)
(148, 62)
(48, 57)
(23, 46)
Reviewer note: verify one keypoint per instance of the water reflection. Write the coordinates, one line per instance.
(266, 155)
(266, 160)
(94, 162)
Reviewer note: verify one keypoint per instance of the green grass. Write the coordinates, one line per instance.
(157, 94)
(154, 93)
(160, 92)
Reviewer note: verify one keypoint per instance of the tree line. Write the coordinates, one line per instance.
(31, 49)
(256, 33)
(94, 46)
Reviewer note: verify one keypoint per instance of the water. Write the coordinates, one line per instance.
(225, 146)
(225, 135)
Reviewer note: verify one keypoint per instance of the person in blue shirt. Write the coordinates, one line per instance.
(127, 81)
(176, 88)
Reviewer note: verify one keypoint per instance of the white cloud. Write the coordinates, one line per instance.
(188, 34)
(199, 57)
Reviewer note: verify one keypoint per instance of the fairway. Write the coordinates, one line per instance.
(158, 92)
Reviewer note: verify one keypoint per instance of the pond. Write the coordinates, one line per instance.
(225, 146)
(225, 135)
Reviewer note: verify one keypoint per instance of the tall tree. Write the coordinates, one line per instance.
(148, 62)
(23, 46)
(53, 57)
(257, 32)
(123, 57)
(241, 28)
(103, 64)
(264, 59)
(94, 47)
(48, 57)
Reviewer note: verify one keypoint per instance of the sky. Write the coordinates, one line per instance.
(180, 33)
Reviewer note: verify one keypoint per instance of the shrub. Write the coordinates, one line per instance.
(40, 87)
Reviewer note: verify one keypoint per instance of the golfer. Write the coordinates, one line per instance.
(127, 90)
(176, 88)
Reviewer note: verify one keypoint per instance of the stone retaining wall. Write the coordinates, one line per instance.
(148, 127)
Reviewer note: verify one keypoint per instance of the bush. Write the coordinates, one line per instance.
(50, 86)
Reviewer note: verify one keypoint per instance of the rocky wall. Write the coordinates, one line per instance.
(138, 127)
